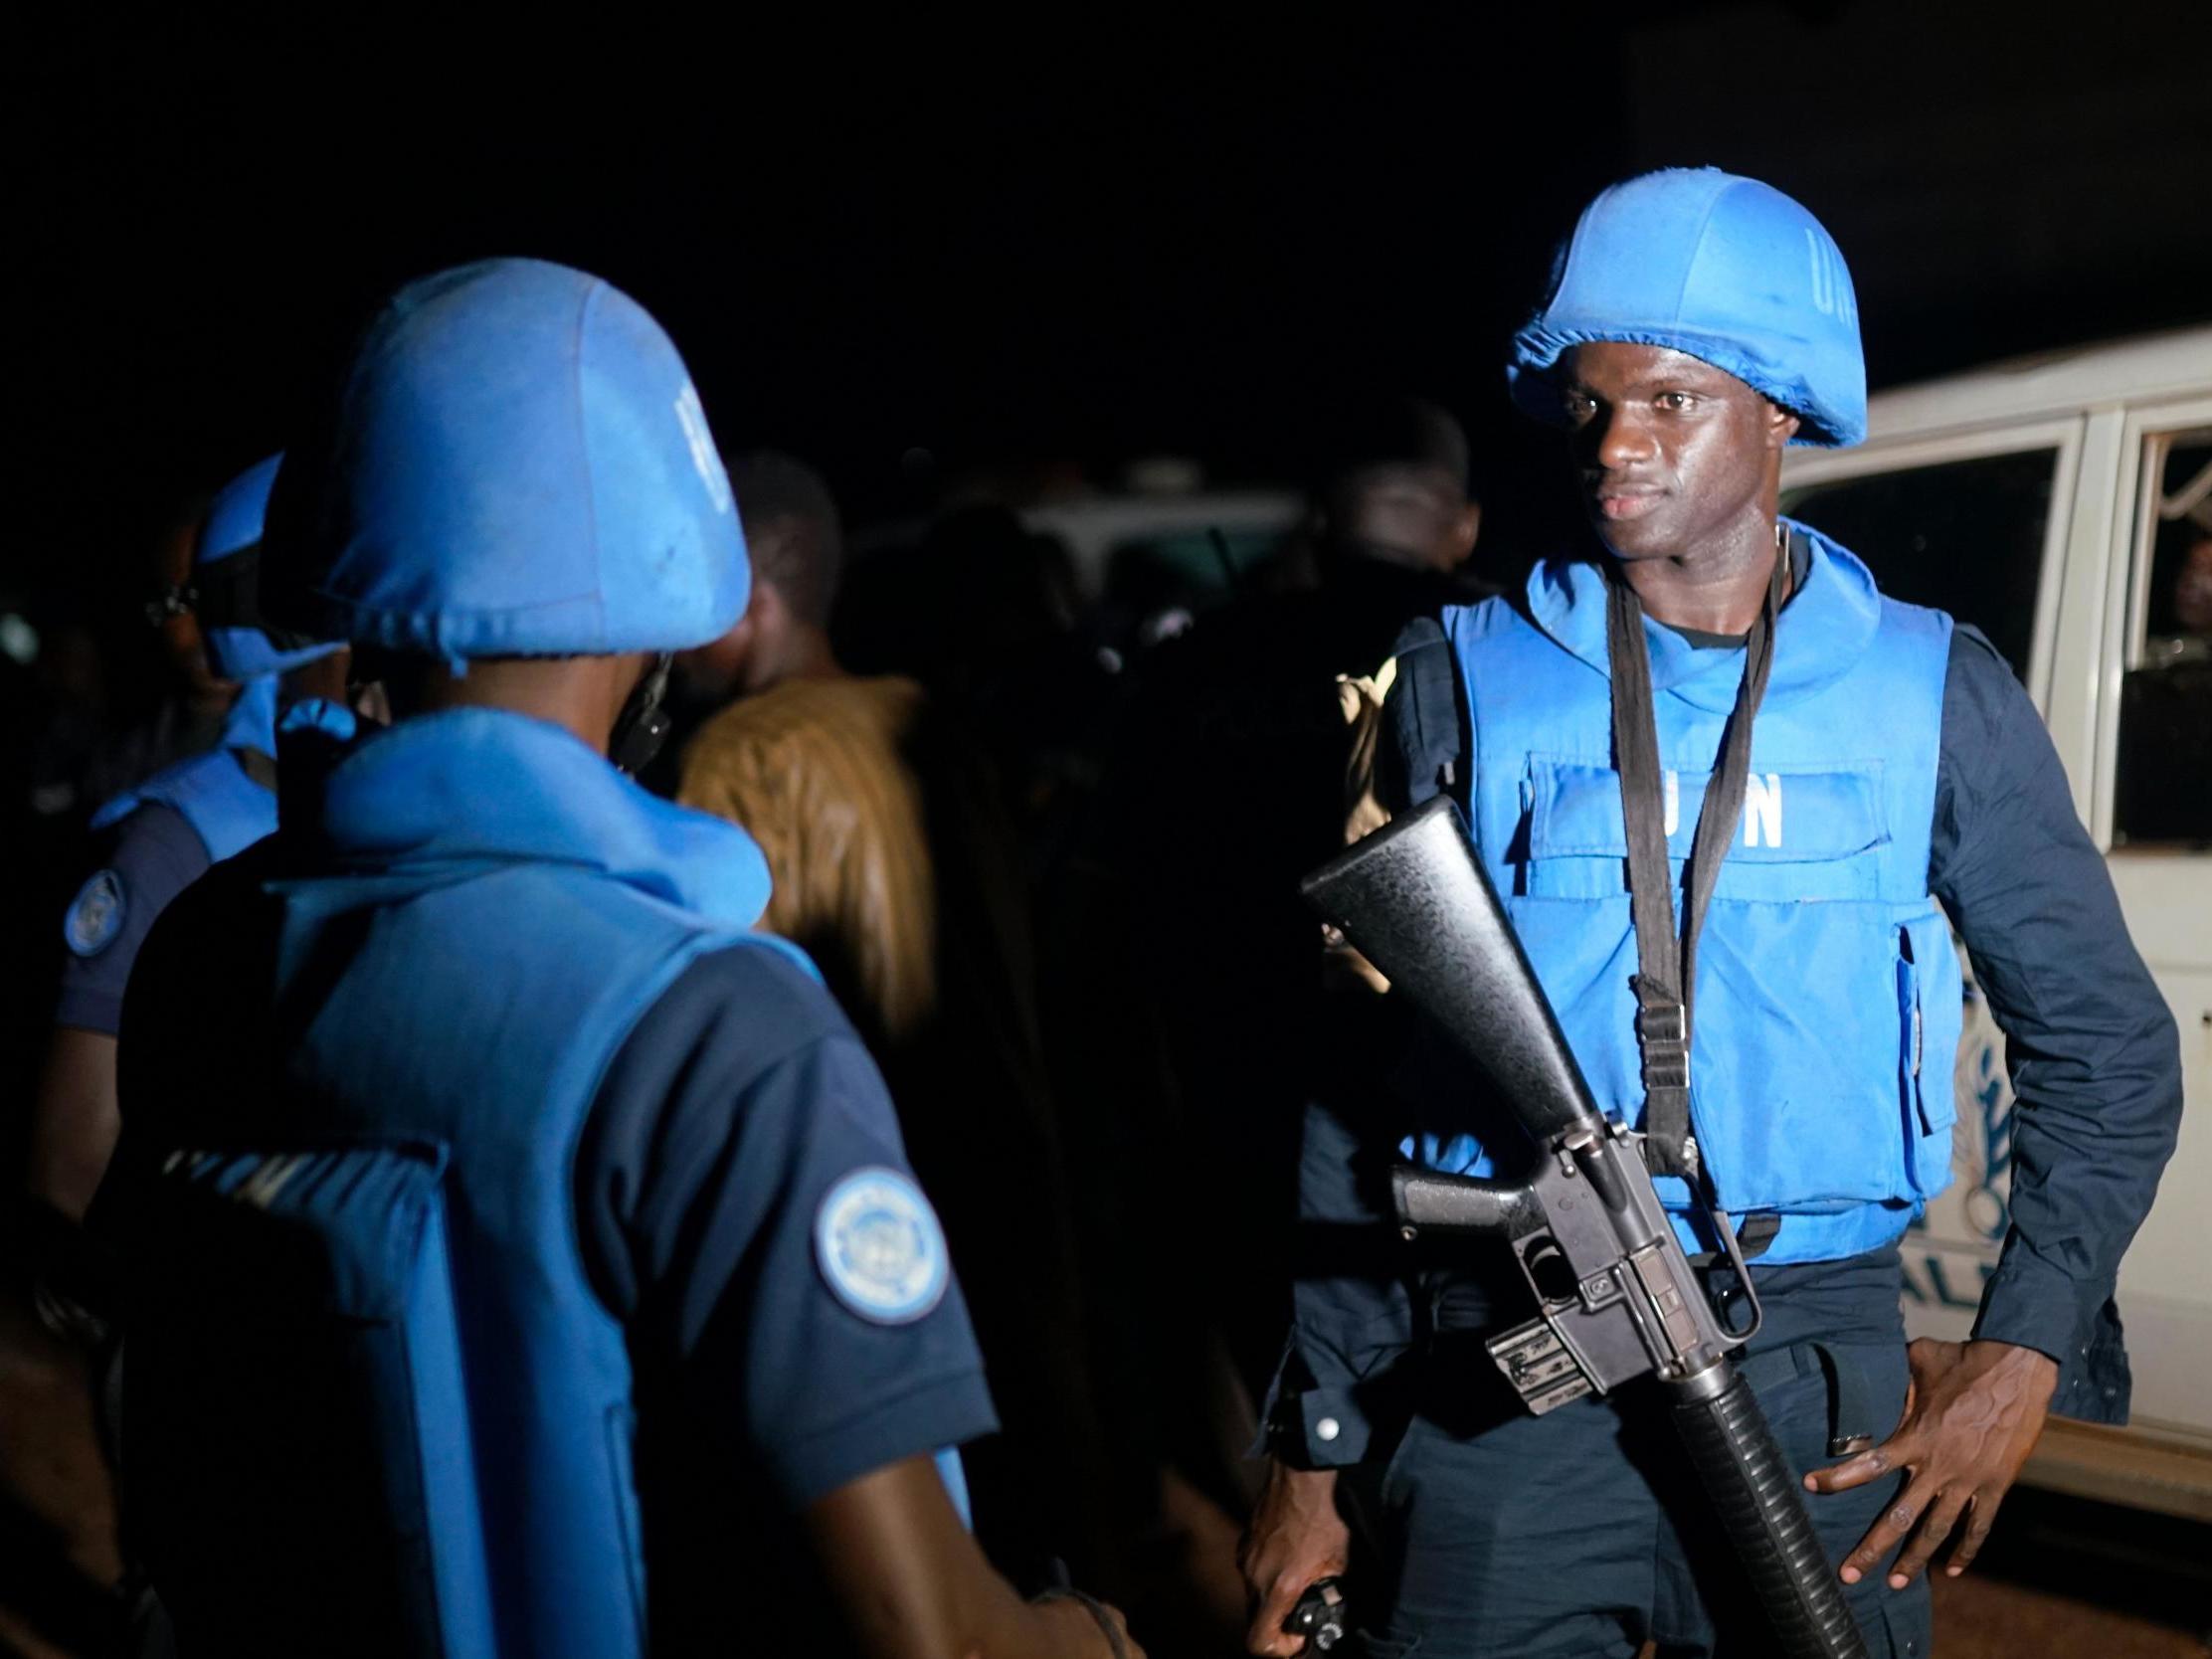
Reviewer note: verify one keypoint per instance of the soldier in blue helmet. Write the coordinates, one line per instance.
(155, 839)
(522, 1254)
(1870, 758)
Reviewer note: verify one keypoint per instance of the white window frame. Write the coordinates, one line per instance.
(1907, 454)
(2127, 594)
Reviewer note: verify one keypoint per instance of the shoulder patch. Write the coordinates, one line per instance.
(879, 1247)
(96, 914)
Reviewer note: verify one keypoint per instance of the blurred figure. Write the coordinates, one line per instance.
(2192, 589)
(115, 704)
(893, 865)
(1229, 784)
(155, 839)
(205, 687)
(985, 613)
(2164, 776)
(556, 1285)
(812, 762)
(1396, 497)
(150, 843)
(1182, 999)
(92, 701)
(791, 527)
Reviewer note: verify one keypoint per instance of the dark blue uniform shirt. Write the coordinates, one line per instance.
(2093, 1049)
(758, 1390)
(741, 1086)
(757, 1387)
(139, 865)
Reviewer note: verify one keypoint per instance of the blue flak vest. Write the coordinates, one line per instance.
(1828, 996)
(379, 1271)
(212, 792)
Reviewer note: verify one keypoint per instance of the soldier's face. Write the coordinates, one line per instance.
(1673, 452)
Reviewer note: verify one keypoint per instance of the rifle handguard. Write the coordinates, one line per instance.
(1763, 1514)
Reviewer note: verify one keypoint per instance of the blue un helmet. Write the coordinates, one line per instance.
(1727, 270)
(241, 645)
(516, 464)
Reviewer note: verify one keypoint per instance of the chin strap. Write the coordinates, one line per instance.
(643, 726)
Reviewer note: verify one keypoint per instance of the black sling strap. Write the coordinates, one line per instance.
(1666, 969)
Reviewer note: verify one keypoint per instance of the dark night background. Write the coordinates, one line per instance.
(911, 247)
(1091, 233)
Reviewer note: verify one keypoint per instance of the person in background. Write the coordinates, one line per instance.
(149, 844)
(155, 839)
(1395, 495)
(893, 865)
(1179, 988)
(522, 1254)
(2192, 588)
(793, 734)
(987, 613)
(1228, 784)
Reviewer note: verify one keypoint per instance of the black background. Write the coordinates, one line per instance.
(1089, 233)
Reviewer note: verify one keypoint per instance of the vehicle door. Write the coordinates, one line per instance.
(2152, 809)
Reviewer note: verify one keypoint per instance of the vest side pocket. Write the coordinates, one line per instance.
(296, 1437)
(1930, 1016)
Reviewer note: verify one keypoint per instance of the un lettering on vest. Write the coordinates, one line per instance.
(1762, 807)
(1817, 986)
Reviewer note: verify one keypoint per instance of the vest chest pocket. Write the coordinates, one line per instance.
(1808, 831)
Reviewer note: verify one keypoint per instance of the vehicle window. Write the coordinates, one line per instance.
(1964, 536)
(1196, 569)
(2162, 789)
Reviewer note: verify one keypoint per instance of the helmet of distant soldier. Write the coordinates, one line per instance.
(242, 644)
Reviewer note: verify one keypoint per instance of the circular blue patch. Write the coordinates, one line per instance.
(96, 915)
(879, 1246)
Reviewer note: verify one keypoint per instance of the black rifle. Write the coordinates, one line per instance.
(1618, 1297)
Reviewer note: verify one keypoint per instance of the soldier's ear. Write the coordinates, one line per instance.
(1781, 426)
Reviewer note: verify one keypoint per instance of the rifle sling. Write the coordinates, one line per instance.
(1665, 983)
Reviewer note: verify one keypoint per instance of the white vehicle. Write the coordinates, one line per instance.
(1193, 528)
(2055, 502)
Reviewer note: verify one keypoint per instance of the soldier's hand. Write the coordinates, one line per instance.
(1971, 1416)
(1296, 1536)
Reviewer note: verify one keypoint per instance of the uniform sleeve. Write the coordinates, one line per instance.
(139, 865)
(1429, 747)
(2091, 1045)
(1351, 1319)
(1352, 1312)
(746, 1210)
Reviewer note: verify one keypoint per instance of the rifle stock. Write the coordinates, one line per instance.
(1416, 903)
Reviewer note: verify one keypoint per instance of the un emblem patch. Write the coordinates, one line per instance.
(880, 1248)
(96, 915)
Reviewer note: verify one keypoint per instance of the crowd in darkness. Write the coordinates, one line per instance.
(1040, 827)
